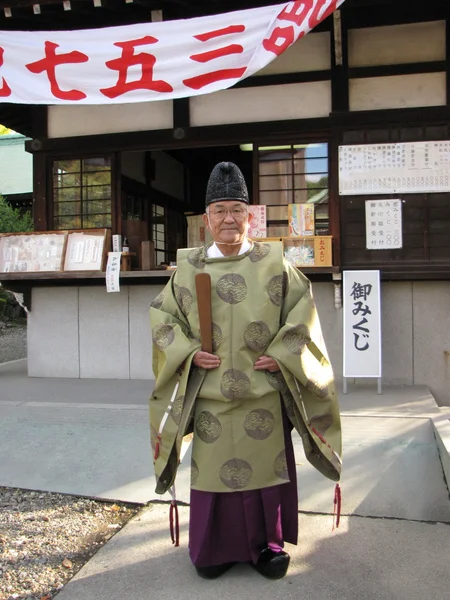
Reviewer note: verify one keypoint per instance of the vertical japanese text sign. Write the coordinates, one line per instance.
(362, 324)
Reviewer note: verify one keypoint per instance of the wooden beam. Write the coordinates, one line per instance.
(386, 118)
(284, 78)
(438, 66)
(216, 135)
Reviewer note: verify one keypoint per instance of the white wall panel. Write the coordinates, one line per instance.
(67, 121)
(402, 91)
(16, 166)
(52, 333)
(397, 44)
(311, 53)
(104, 333)
(268, 103)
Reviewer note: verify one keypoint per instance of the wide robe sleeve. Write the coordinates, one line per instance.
(174, 347)
(308, 389)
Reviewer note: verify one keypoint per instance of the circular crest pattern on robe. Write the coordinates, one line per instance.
(234, 384)
(184, 298)
(236, 473)
(280, 466)
(259, 251)
(158, 301)
(277, 288)
(217, 336)
(194, 472)
(208, 427)
(232, 288)
(163, 336)
(257, 336)
(297, 338)
(259, 423)
(195, 258)
(321, 423)
(177, 409)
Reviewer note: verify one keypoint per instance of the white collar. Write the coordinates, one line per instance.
(214, 252)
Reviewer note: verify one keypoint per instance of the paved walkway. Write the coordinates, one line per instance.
(91, 438)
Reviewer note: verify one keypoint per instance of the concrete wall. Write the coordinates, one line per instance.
(415, 333)
(85, 332)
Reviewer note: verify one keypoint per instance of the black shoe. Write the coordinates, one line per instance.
(273, 565)
(213, 572)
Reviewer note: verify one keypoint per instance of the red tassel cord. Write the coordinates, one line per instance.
(174, 523)
(158, 442)
(337, 506)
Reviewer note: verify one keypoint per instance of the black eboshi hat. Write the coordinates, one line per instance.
(226, 182)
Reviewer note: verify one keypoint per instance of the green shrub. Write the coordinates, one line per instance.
(12, 220)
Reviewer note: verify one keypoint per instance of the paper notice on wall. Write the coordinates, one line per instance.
(258, 225)
(301, 219)
(113, 272)
(384, 224)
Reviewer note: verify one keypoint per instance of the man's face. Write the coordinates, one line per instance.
(227, 221)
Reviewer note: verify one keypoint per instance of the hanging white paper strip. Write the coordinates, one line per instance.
(113, 272)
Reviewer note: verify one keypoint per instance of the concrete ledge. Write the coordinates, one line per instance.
(441, 428)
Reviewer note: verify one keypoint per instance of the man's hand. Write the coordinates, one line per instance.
(265, 363)
(205, 360)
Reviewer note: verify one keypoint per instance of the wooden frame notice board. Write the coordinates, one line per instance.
(40, 251)
(54, 251)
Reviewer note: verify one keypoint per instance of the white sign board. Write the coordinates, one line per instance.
(405, 168)
(362, 324)
(384, 224)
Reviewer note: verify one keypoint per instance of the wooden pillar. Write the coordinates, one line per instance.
(41, 200)
(41, 167)
(447, 58)
(116, 189)
(339, 72)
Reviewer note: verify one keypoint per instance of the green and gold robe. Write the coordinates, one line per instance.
(261, 305)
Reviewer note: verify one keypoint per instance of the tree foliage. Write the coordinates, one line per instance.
(12, 220)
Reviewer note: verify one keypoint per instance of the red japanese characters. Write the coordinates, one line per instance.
(200, 81)
(128, 59)
(49, 64)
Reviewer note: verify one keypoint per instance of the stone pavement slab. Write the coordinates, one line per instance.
(369, 559)
(91, 438)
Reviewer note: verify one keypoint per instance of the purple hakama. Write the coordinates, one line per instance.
(238, 526)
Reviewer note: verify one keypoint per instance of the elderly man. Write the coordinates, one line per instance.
(268, 372)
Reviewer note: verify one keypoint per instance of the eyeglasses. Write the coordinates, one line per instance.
(236, 213)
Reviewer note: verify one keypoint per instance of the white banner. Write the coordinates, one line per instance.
(151, 61)
(362, 324)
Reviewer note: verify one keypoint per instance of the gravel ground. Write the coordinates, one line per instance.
(13, 341)
(46, 538)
